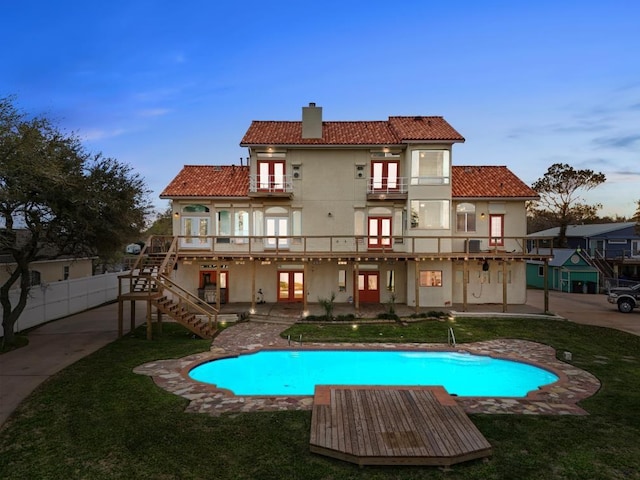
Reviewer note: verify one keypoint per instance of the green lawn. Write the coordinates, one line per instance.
(98, 420)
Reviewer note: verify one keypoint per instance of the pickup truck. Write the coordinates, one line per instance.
(627, 298)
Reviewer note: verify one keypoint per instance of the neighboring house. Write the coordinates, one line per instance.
(47, 271)
(568, 271)
(613, 247)
(371, 211)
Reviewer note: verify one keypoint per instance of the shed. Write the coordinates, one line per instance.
(569, 271)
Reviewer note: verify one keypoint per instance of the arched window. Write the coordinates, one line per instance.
(195, 209)
(466, 217)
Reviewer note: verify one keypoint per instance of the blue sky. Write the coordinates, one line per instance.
(159, 84)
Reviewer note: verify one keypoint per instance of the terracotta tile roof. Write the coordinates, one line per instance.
(233, 181)
(209, 181)
(396, 130)
(423, 128)
(488, 182)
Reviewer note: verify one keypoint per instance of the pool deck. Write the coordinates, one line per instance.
(560, 398)
(393, 426)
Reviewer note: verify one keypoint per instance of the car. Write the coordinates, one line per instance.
(627, 298)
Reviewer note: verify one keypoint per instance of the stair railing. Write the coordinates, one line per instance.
(191, 301)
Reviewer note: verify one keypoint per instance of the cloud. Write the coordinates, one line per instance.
(153, 112)
(94, 134)
(621, 141)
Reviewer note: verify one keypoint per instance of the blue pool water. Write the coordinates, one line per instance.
(297, 372)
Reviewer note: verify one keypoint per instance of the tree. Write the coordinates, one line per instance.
(636, 217)
(560, 200)
(57, 199)
(162, 224)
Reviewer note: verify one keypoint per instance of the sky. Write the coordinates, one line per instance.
(160, 84)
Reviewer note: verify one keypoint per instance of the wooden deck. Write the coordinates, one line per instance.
(393, 426)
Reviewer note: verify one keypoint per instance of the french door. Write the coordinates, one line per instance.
(368, 287)
(379, 232)
(271, 176)
(290, 286)
(496, 230)
(195, 231)
(384, 176)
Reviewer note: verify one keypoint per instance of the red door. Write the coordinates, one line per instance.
(379, 233)
(290, 286)
(368, 287)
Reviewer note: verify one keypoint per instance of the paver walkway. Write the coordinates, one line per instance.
(559, 398)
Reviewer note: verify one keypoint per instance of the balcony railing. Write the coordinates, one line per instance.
(382, 188)
(348, 246)
(270, 185)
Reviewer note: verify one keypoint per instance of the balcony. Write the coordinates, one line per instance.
(270, 186)
(347, 247)
(387, 188)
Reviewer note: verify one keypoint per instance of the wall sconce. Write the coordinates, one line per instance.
(482, 215)
(329, 214)
(176, 214)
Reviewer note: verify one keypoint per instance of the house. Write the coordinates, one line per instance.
(568, 271)
(51, 268)
(368, 211)
(612, 247)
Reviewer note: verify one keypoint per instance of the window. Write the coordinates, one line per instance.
(430, 214)
(466, 217)
(496, 230)
(34, 278)
(541, 270)
(241, 226)
(342, 280)
(65, 272)
(391, 281)
(224, 223)
(430, 278)
(195, 209)
(430, 167)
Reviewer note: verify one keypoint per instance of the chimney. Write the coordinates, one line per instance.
(312, 121)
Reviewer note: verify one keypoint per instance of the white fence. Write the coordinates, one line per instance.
(58, 299)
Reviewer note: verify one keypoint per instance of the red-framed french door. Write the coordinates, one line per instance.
(271, 176)
(368, 285)
(290, 286)
(384, 176)
(379, 233)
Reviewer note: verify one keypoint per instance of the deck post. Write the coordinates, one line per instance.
(132, 316)
(149, 318)
(465, 283)
(417, 283)
(504, 285)
(253, 285)
(120, 315)
(545, 270)
(356, 287)
(218, 276)
(304, 290)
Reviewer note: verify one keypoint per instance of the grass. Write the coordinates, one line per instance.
(98, 420)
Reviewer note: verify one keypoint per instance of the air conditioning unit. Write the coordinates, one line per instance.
(472, 246)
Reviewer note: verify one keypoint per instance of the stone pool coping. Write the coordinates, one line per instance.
(559, 398)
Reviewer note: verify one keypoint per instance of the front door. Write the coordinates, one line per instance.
(290, 286)
(368, 287)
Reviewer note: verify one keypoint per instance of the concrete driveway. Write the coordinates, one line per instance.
(587, 309)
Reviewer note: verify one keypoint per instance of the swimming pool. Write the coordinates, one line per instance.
(297, 372)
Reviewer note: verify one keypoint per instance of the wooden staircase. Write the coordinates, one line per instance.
(149, 280)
